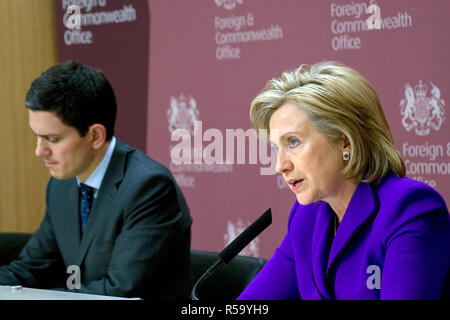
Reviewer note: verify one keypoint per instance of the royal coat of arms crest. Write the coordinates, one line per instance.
(182, 113)
(228, 4)
(420, 112)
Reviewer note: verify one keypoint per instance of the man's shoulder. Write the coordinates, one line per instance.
(135, 166)
(140, 172)
(136, 160)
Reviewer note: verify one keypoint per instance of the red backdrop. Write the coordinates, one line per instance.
(206, 60)
(114, 37)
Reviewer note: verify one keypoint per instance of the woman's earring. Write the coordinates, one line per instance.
(346, 155)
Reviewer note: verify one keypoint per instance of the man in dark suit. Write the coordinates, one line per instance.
(116, 222)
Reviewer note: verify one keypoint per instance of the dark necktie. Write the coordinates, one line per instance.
(86, 200)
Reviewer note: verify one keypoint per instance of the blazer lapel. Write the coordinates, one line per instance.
(361, 210)
(68, 221)
(73, 218)
(320, 248)
(105, 198)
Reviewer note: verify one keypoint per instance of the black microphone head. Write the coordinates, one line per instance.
(246, 236)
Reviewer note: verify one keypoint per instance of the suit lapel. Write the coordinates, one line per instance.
(320, 248)
(72, 221)
(103, 204)
(361, 210)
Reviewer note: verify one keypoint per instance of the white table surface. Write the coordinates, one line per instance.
(23, 293)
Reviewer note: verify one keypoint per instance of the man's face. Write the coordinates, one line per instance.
(65, 153)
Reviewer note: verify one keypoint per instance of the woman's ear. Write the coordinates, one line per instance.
(98, 135)
(346, 148)
(346, 143)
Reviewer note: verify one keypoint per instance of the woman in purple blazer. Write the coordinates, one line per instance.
(359, 228)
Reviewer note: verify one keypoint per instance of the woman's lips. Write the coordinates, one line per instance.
(295, 184)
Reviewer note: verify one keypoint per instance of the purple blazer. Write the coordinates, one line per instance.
(393, 243)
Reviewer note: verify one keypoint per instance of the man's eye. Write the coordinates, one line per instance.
(53, 140)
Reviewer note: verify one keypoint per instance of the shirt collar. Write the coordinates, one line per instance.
(96, 177)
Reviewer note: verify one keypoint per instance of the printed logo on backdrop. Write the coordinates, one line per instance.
(182, 114)
(228, 4)
(211, 150)
(187, 156)
(423, 112)
(351, 19)
(74, 18)
(235, 32)
(234, 229)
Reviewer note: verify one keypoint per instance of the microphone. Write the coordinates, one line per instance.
(232, 250)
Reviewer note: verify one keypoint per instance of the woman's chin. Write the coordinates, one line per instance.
(304, 200)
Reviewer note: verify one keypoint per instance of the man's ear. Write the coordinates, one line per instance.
(98, 135)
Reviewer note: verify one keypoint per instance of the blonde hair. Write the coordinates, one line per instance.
(338, 101)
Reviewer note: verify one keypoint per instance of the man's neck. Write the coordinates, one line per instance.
(95, 162)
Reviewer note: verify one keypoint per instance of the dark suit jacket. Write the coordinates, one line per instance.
(136, 242)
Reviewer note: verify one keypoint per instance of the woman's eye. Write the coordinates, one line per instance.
(275, 149)
(292, 142)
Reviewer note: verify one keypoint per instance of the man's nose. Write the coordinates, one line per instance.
(41, 148)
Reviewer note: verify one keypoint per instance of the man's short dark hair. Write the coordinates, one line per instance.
(79, 95)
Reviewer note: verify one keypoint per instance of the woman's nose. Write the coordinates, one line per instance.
(284, 163)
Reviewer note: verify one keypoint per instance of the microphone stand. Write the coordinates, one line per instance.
(235, 247)
(205, 276)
